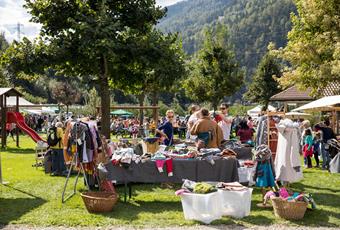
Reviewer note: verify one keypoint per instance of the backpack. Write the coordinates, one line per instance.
(52, 139)
(205, 137)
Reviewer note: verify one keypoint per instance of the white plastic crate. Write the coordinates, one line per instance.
(202, 207)
(235, 204)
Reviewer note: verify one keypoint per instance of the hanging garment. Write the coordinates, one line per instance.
(262, 131)
(264, 172)
(287, 161)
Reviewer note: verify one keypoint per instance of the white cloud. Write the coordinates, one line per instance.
(12, 12)
(167, 2)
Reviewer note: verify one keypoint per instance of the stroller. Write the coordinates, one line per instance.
(334, 152)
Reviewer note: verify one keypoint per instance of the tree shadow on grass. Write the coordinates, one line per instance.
(303, 187)
(130, 211)
(12, 209)
(19, 150)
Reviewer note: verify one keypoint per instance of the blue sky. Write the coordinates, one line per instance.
(12, 12)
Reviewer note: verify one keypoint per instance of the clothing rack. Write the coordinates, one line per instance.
(271, 130)
(73, 165)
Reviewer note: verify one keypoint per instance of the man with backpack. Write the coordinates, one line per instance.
(55, 141)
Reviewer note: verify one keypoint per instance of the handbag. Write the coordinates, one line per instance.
(205, 137)
(306, 152)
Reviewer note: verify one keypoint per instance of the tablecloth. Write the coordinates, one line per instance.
(224, 170)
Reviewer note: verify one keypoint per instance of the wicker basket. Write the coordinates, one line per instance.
(289, 210)
(99, 201)
(152, 147)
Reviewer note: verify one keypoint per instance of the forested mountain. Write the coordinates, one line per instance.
(252, 25)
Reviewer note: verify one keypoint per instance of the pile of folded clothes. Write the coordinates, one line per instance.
(233, 186)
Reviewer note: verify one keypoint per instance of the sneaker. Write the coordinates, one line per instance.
(55, 174)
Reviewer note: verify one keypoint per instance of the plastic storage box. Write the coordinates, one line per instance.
(235, 204)
(202, 207)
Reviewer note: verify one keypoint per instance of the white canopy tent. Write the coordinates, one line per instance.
(326, 104)
(254, 112)
(323, 104)
(11, 101)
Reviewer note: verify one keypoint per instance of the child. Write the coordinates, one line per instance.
(134, 131)
(308, 147)
(317, 147)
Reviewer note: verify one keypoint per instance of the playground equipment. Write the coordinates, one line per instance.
(19, 120)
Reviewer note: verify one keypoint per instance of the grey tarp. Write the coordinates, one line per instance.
(224, 170)
(334, 165)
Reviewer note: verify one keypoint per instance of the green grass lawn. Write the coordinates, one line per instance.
(33, 198)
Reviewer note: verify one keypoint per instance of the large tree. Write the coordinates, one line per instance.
(313, 48)
(3, 46)
(215, 73)
(264, 84)
(88, 37)
(65, 92)
(157, 64)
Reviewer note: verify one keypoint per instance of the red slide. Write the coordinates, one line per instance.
(19, 120)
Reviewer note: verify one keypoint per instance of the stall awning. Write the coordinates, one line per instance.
(323, 104)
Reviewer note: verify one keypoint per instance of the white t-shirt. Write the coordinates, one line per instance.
(226, 127)
(192, 119)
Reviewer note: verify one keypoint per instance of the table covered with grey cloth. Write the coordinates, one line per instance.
(223, 170)
(244, 153)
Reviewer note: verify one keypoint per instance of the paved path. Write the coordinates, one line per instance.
(198, 227)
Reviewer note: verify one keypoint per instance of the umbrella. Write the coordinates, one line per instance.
(323, 104)
(121, 112)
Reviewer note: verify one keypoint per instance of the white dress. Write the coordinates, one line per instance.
(287, 161)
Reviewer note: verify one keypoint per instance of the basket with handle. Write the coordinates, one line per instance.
(291, 210)
(99, 201)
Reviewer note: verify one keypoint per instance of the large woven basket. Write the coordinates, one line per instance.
(99, 201)
(289, 210)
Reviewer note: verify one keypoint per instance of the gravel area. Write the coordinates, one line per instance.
(198, 227)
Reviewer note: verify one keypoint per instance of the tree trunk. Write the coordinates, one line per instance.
(67, 111)
(105, 98)
(155, 103)
(141, 98)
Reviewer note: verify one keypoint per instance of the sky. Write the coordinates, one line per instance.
(12, 12)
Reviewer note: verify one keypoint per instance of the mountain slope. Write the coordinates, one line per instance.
(252, 24)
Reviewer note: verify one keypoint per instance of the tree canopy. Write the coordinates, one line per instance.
(313, 49)
(91, 38)
(265, 84)
(215, 72)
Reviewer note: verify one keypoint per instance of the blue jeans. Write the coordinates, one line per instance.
(58, 164)
(325, 157)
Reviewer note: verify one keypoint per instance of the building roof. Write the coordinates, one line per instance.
(293, 94)
(9, 92)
